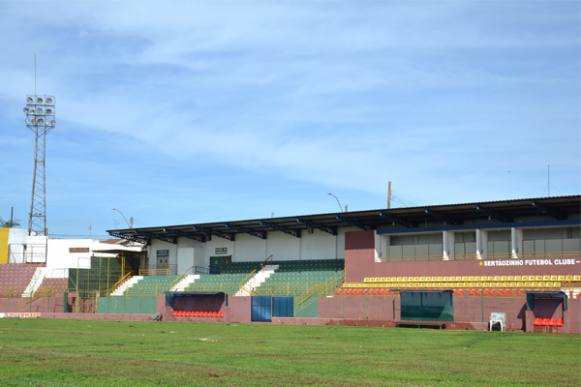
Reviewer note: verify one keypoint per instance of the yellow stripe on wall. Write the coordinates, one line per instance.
(4, 233)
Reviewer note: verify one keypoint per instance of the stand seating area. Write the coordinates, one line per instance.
(52, 287)
(153, 285)
(227, 283)
(14, 278)
(517, 282)
(305, 281)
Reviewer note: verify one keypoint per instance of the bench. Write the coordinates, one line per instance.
(420, 324)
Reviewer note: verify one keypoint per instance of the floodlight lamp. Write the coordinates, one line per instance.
(25, 110)
(48, 111)
(27, 121)
(29, 100)
(39, 100)
(53, 123)
(40, 121)
(49, 101)
(39, 110)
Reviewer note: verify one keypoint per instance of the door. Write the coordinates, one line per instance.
(261, 308)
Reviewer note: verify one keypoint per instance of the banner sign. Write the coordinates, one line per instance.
(532, 262)
(20, 315)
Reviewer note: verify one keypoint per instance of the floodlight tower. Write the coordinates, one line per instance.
(40, 119)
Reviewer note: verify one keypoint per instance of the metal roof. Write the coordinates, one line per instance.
(502, 211)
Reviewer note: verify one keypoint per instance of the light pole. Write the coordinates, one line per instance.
(129, 222)
(338, 202)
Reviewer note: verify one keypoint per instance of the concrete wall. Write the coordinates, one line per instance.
(316, 245)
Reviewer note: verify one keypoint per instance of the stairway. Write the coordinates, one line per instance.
(185, 282)
(126, 285)
(35, 282)
(256, 280)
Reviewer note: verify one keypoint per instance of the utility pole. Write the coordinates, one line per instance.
(549, 179)
(389, 194)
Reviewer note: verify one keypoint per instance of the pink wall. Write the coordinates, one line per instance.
(238, 310)
(45, 304)
(360, 308)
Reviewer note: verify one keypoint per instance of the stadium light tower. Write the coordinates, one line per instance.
(40, 119)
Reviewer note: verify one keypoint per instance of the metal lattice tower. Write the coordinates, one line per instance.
(40, 119)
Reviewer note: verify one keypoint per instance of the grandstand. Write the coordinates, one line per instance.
(461, 262)
(458, 265)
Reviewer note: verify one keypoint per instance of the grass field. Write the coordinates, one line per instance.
(56, 352)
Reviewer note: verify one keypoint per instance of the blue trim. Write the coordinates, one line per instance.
(469, 227)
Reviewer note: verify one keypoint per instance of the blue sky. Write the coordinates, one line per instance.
(221, 110)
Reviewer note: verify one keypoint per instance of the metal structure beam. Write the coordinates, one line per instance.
(394, 219)
(292, 232)
(548, 211)
(311, 226)
(353, 222)
(493, 214)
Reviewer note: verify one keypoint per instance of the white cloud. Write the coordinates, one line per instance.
(338, 95)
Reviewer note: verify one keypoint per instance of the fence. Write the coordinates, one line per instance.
(126, 304)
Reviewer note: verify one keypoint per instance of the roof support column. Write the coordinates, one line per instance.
(515, 242)
(481, 243)
(448, 245)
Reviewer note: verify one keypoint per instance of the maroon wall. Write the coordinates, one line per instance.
(469, 311)
(384, 308)
(238, 310)
(359, 255)
(45, 304)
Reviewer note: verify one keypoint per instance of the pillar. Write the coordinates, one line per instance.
(515, 242)
(448, 245)
(481, 243)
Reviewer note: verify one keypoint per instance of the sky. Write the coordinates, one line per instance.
(190, 111)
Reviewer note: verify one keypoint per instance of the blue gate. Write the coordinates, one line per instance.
(283, 306)
(261, 308)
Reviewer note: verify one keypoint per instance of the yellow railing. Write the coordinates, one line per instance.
(321, 288)
(247, 278)
(476, 278)
(121, 280)
(155, 271)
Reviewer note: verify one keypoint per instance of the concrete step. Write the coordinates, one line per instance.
(185, 282)
(256, 280)
(126, 285)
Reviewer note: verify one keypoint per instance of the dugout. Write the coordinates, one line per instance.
(550, 305)
(212, 302)
(427, 306)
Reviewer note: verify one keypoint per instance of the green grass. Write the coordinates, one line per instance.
(88, 353)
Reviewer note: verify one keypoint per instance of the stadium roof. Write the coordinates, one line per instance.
(494, 212)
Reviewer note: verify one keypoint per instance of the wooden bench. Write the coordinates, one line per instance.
(420, 324)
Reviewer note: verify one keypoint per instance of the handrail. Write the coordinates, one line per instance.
(267, 260)
(180, 277)
(319, 288)
(121, 280)
(154, 271)
(247, 278)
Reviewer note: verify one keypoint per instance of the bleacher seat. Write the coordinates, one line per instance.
(153, 285)
(52, 287)
(14, 278)
(228, 283)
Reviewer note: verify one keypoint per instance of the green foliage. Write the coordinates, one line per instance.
(104, 353)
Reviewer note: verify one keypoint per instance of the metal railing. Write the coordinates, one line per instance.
(321, 288)
(166, 270)
(121, 281)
